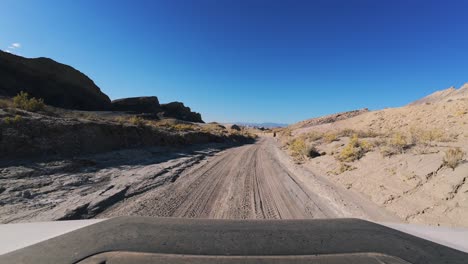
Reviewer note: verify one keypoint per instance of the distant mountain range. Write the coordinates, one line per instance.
(266, 125)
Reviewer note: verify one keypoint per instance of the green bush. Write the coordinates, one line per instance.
(22, 101)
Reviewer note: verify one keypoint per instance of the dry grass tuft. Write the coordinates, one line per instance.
(453, 157)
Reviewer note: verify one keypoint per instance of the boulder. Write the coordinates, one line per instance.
(179, 111)
(235, 127)
(144, 104)
(58, 84)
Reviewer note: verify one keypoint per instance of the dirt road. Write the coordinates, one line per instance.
(256, 181)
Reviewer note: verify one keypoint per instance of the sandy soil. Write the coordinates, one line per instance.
(416, 187)
(254, 181)
(414, 183)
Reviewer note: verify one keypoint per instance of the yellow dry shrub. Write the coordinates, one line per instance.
(354, 150)
(453, 157)
(330, 137)
(22, 101)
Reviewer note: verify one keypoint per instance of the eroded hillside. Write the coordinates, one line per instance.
(410, 160)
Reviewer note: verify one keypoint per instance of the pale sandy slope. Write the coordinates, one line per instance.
(414, 184)
(255, 181)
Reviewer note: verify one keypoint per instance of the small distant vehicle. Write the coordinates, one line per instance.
(181, 240)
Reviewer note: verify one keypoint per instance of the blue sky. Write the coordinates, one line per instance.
(248, 60)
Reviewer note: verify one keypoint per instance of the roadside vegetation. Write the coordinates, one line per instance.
(25, 102)
(13, 120)
(354, 150)
(453, 157)
(348, 145)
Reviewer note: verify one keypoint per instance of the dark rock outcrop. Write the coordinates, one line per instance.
(235, 127)
(144, 104)
(178, 110)
(150, 107)
(58, 84)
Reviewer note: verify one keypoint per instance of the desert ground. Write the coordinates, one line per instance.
(409, 160)
(253, 181)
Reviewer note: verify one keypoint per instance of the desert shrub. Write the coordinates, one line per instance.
(284, 132)
(347, 132)
(136, 120)
(217, 128)
(313, 136)
(330, 137)
(397, 144)
(121, 120)
(22, 101)
(299, 148)
(13, 121)
(354, 150)
(453, 157)
(428, 136)
(367, 134)
(183, 127)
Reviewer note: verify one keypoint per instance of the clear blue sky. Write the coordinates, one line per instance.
(280, 61)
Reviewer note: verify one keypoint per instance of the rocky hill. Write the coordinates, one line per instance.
(63, 86)
(58, 84)
(411, 160)
(444, 95)
(328, 118)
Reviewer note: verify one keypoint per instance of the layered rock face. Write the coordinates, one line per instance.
(58, 84)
